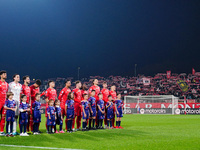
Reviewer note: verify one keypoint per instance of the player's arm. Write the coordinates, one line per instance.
(46, 96)
(99, 108)
(48, 113)
(30, 100)
(55, 116)
(83, 110)
(62, 92)
(116, 108)
(90, 106)
(107, 105)
(21, 109)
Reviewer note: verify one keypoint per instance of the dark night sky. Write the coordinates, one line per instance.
(51, 38)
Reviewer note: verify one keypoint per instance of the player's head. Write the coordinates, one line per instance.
(9, 95)
(109, 97)
(119, 96)
(51, 102)
(16, 77)
(37, 96)
(70, 96)
(85, 96)
(38, 83)
(23, 98)
(105, 85)
(26, 79)
(113, 87)
(100, 95)
(57, 102)
(51, 83)
(67, 83)
(95, 82)
(93, 93)
(78, 84)
(84, 87)
(3, 74)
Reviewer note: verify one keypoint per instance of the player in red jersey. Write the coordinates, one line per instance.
(114, 97)
(50, 94)
(77, 106)
(3, 90)
(35, 88)
(96, 88)
(63, 97)
(105, 92)
(27, 91)
(84, 90)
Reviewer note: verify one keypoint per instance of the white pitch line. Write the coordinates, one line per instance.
(21, 146)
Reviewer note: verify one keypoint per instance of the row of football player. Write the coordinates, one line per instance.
(50, 93)
(54, 114)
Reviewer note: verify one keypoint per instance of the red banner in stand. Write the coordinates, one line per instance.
(193, 71)
(168, 74)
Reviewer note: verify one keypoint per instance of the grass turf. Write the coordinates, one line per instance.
(140, 132)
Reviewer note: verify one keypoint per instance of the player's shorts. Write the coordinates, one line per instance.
(23, 118)
(120, 113)
(94, 113)
(100, 115)
(52, 121)
(87, 115)
(70, 114)
(59, 121)
(110, 114)
(77, 109)
(36, 116)
(10, 115)
(17, 110)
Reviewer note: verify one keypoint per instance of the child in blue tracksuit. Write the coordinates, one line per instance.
(101, 111)
(10, 107)
(36, 114)
(92, 107)
(69, 107)
(118, 109)
(110, 113)
(85, 113)
(59, 120)
(51, 116)
(23, 116)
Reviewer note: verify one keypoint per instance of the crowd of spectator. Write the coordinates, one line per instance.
(159, 84)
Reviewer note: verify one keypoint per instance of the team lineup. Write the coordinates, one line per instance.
(93, 107)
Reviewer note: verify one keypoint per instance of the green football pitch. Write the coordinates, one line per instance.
(140, 132)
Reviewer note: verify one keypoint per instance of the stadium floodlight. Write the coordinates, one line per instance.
(151, 104)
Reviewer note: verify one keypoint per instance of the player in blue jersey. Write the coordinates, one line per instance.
(118, 108)
(59, 120)
(36, 106)
(85, 112)
(10, 107)
(110, 113)
(23, 116)
(101, 111)
(51, 116)
(69, 109)
(92, 107)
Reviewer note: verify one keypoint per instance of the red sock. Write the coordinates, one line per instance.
(2, 123)
(73, 122)
(46, 125)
